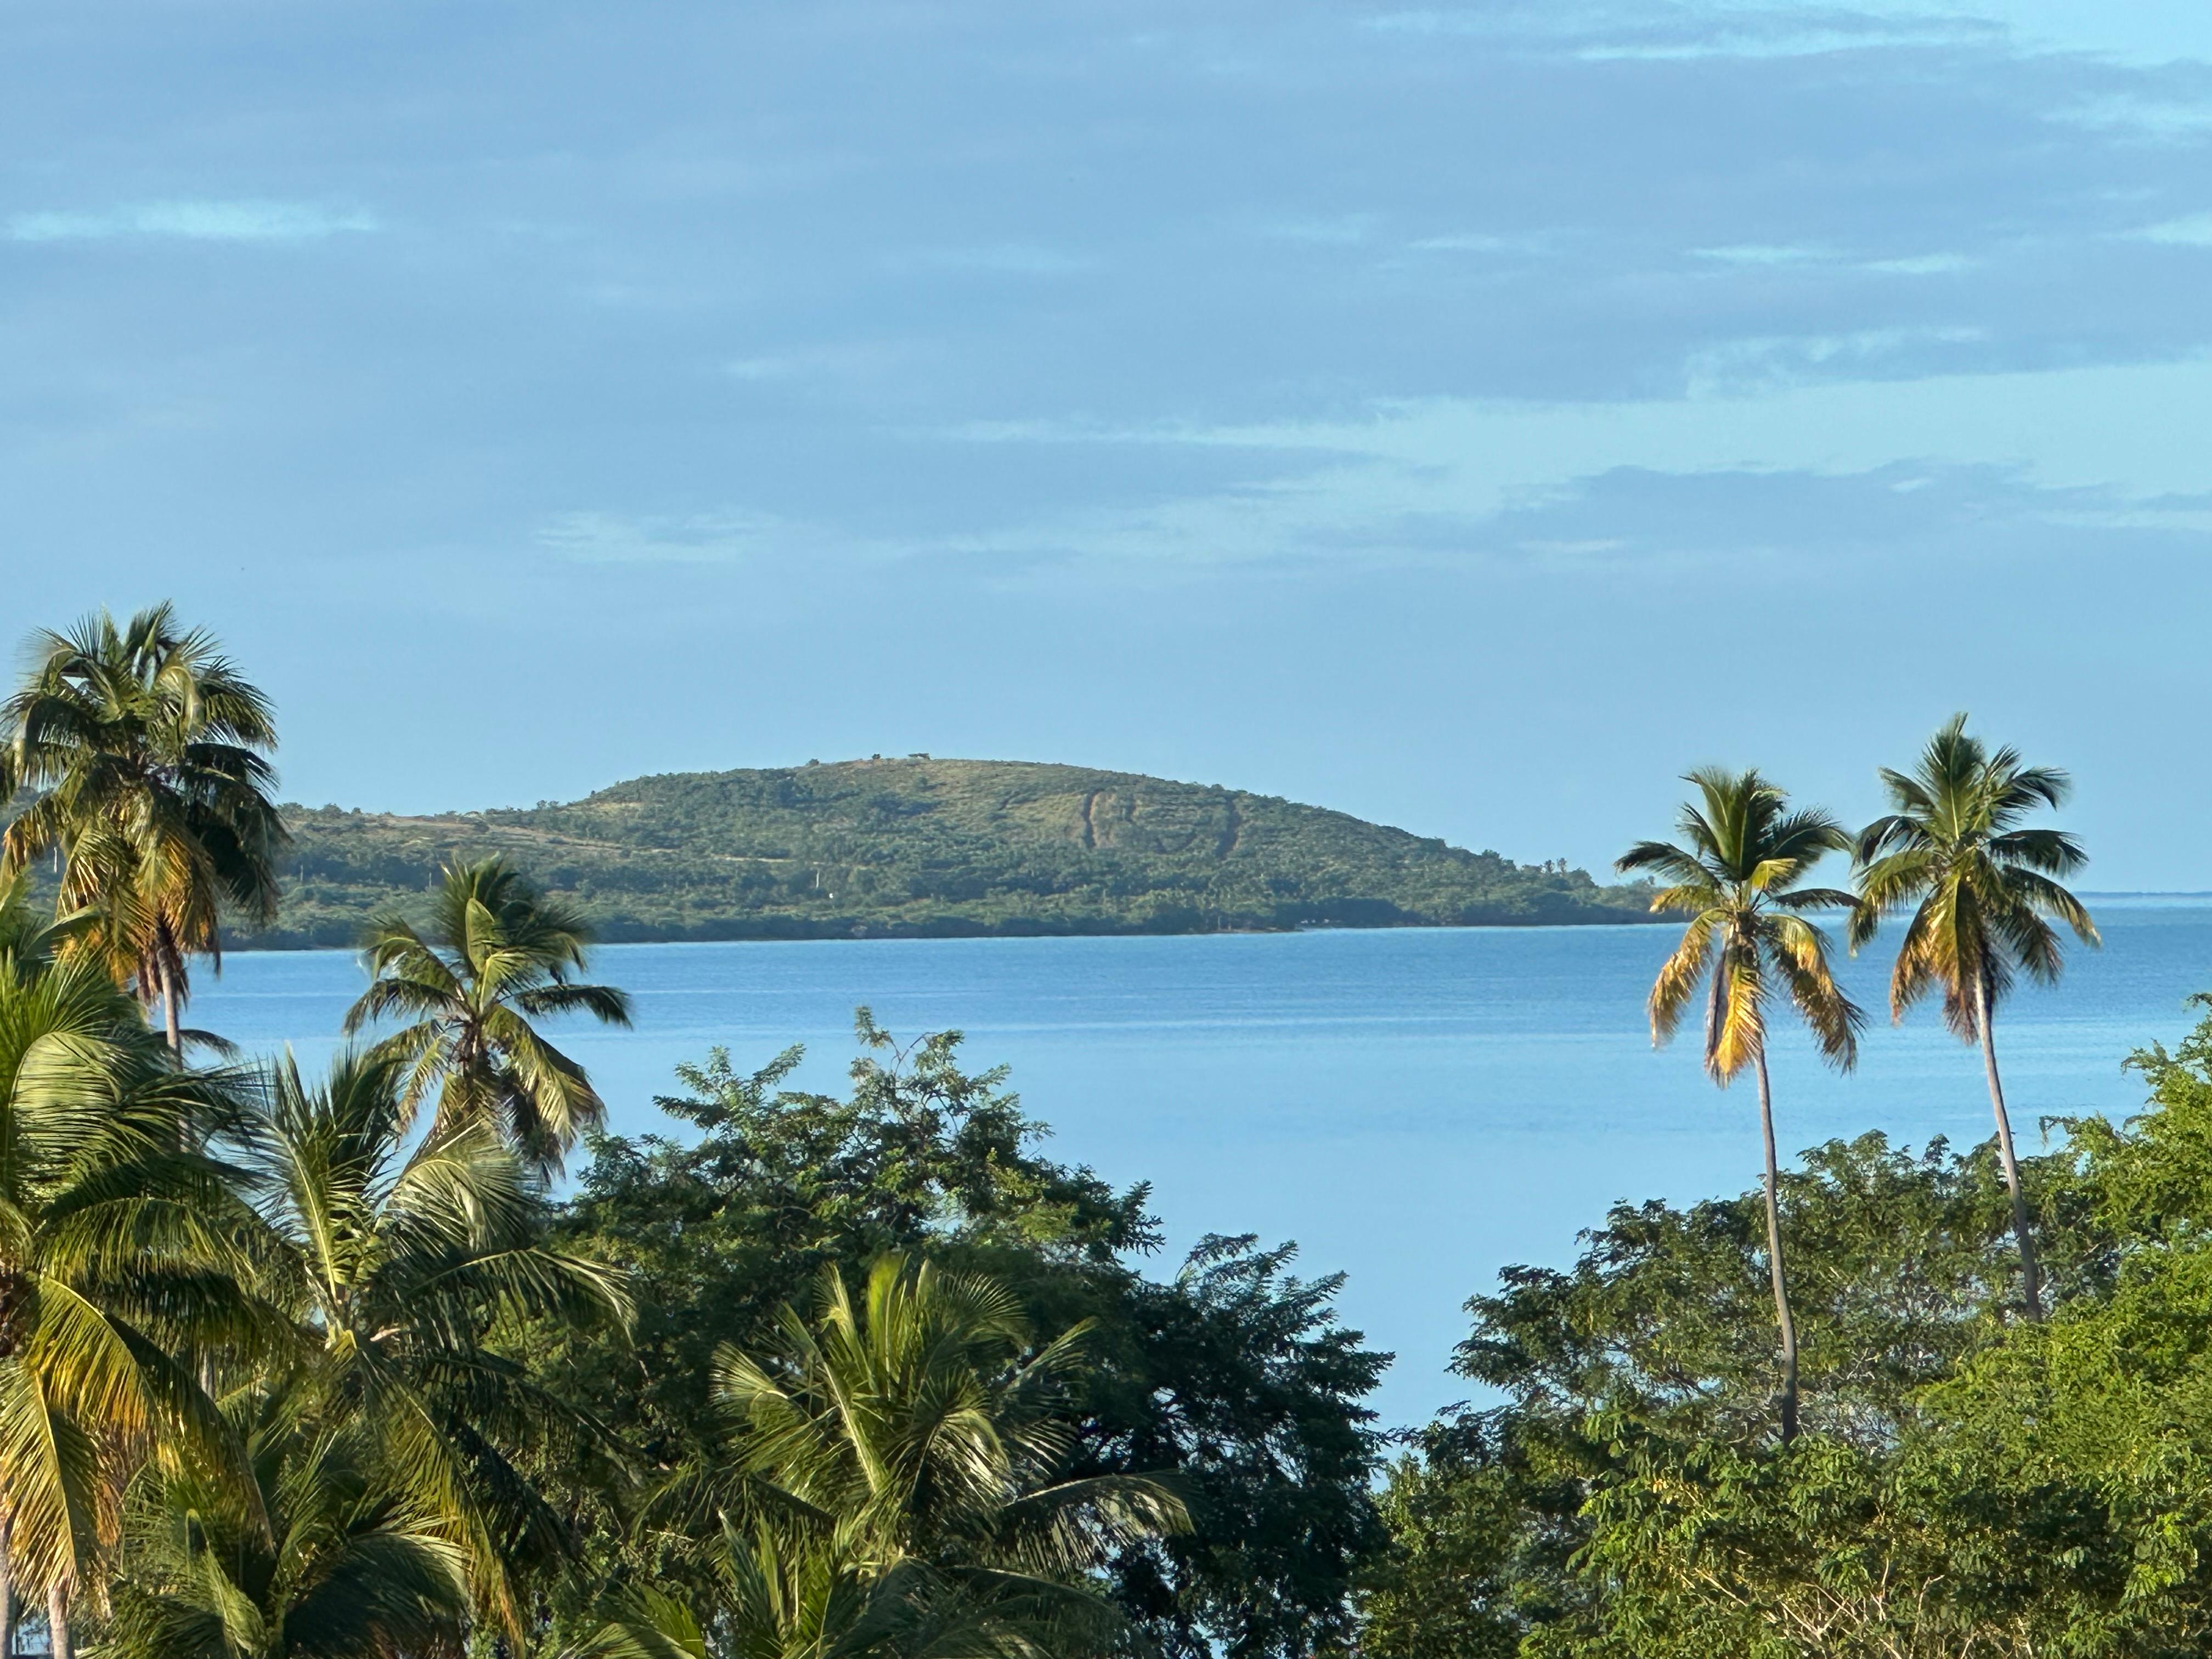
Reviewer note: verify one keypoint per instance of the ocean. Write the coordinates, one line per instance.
(1416, 1108)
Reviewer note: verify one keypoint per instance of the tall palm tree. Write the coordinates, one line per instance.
(120, 1252)
(494, 957)
(397, 1266)
(1986, 891)
(148, 751)
(320, 1552)
(1737, 876)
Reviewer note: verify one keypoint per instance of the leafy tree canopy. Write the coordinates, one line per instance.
(1234, 1377)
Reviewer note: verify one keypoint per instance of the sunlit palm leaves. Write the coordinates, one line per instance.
(146, 751)
(1737, 878)
(493, 958)
(120, 1250)
(1984, 891)
(398, 1262)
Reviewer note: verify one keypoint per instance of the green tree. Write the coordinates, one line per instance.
(1625, 1493)
(319, 1552)
(1737, 879)
(493, 958)
(1984, 887)
(398, 1265)
(148, 752)
(1232, 1373)
(119, 1253)
(897, 1479)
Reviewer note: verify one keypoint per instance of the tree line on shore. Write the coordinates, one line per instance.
(328, 1364)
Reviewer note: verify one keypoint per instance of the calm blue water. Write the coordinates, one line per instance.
(1415, 1107)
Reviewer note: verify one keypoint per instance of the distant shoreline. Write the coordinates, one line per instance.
(887, 936)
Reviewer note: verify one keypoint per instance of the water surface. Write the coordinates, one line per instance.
(1415, 1107)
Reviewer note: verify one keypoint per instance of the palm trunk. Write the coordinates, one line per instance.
(169, 1007)
(2031, 1277)
(1782, 1318)
(58, 1621)
(7, 1595)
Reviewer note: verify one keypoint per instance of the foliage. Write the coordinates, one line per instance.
(322, 1553)
(145, 750)
(1970, 1483)
(394, 1263)
(898, 1460)
(1233, 1377)
(930, 848)
(1982, 887)
(116, 1260)
(1738, 879)
(493, 957)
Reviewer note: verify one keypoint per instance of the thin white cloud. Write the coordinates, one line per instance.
(1480, 243)
(2194, 231)
(1764, 253)
(1664, 33)
(193, 221)
(1921, 264)
(698, 539)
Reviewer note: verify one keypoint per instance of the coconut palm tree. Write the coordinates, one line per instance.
(121, 1253)
(148, 751)
(1736, 875)
(894, 1488)
(494, 957)
(319, 1553)
(397, 1263)
(1984, 891)
(930, 1424)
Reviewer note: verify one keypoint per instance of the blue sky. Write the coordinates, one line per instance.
(1469, 416)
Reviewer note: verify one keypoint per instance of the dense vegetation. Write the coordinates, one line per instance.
(320, 1365)
(917, 847)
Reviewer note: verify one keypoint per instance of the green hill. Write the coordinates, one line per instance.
(931, 848)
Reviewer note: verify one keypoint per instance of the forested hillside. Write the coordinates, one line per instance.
(923, 847)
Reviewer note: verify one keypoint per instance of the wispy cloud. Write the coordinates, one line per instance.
(1600, 33)
(2195, 231)
(1922, 265)
(698, 539)
(1764, 253)
(193, 221)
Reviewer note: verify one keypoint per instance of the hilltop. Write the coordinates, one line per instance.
(930, 848)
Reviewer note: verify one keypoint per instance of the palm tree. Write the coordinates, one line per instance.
(320, 1553)
(1737, 878)
(397, 1266)
(926, 1421)
(1986, 890)
(148, 750)
(894, 1489)
(120, 1253)
(496, 957)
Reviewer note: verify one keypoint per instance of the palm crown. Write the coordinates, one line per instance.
(1985, 886)
(493, 957)
(394, 1265)
(1735, 874)
(148, 752)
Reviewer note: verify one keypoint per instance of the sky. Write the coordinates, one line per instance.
(1467, 417)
